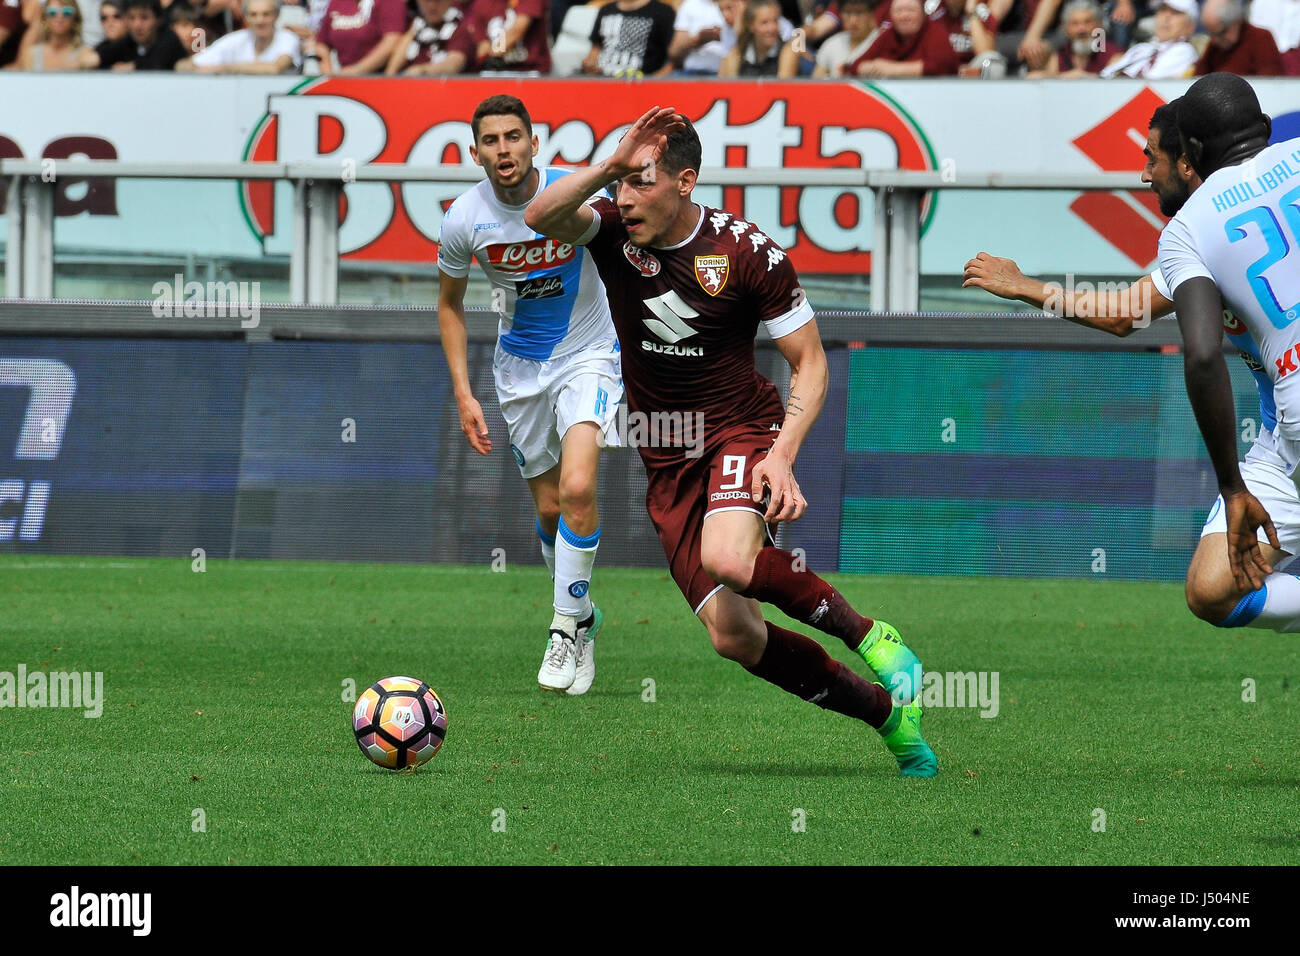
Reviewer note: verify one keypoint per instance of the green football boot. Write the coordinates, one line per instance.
(893, 661)
(902, 736)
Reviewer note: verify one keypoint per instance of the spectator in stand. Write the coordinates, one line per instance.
(970, 25)
(631, 38)
(699, 45)
(214, 18)
(186, 22)
(1170, 54)
(910, 45)
(757, 51)
(1235, 46)
(840, 49)
(1087, 51)
(113, 21)
(425, 42)
(60, 47)
(363, 33)
(501, 36)
(261, 47)
(15, 17)
(148, 44)
(1282, 19)
(1124, 16)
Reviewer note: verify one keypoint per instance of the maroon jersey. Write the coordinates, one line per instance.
(687, 315)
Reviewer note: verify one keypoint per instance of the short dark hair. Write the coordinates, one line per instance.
(1217, 114)
(1165, 122)
(683, 149)
(866, 4)
(152, 6)
(501, 105)
(184, 11)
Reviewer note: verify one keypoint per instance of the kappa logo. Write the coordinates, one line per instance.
(711, 272)
(644, 261)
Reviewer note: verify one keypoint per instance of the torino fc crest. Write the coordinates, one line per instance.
(711, 272)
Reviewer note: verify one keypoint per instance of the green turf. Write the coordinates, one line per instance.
(223, 692)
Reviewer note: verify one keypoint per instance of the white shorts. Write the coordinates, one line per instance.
(540, 401)
(1269, 478)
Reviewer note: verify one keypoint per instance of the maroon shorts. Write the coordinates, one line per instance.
(681, 495)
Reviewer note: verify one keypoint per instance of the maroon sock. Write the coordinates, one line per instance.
(804, 596)
(801, 666)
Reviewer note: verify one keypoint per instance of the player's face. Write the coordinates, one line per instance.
(1162, 173)
(649, 202)
(504, 150)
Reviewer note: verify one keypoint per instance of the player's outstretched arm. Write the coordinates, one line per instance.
(809, 375)
(1117, 311)
(561, 211)
(451, 329)
(1200, 316)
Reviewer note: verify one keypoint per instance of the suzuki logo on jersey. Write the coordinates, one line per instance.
(530, 254)
(645, 262)
(670, 325)
(711, 272)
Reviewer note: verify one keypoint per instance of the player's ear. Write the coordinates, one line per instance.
(1184, 168)
(535, 144)
(686, 181)
(473, 154)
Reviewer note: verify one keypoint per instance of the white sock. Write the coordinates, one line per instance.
(1281, 610)
(548, 548)
(574, 557)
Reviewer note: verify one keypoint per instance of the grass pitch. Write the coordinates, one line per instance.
(224, 694)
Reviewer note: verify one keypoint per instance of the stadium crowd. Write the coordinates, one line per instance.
(1150, 39)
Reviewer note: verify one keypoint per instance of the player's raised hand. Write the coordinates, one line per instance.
(474, 425)
(1245, 515)
(787, 502)
(993, 274)
(642, 146)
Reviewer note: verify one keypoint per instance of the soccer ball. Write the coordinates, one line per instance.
(399, 723)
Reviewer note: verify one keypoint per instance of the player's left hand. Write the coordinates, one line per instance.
(1244, 515)
(787, 502)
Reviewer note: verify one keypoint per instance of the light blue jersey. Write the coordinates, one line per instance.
(552, 302)
(1241, 229)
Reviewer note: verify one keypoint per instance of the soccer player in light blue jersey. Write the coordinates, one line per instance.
(1121, 312)
(1235, 242)
(557, 368)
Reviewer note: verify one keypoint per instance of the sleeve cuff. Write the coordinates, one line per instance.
(791, 321)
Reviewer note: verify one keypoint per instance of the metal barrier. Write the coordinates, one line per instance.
(313, 262)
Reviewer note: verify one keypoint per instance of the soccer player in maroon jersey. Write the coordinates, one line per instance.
(687, 287)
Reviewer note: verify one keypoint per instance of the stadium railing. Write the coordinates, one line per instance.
(313, 265)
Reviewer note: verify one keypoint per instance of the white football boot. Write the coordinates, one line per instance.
(586, 653)
(560, 665)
